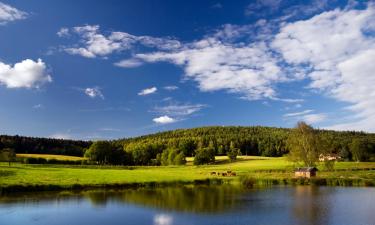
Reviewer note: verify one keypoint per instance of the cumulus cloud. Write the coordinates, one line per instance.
(93, 43)
(24, 74)
(63, 32)
(164, 120)
(338, 46)
(332, 52)
(94, 92)
(249, 70)
(9, 13)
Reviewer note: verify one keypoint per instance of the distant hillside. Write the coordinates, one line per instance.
(256, 140)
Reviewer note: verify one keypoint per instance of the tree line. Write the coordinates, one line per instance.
(36, 145)
(172, 147)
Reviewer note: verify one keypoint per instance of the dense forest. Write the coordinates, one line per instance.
(257, 140)
(171, 147)
(34, 145)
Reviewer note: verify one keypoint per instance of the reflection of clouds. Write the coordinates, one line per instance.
(163, 219)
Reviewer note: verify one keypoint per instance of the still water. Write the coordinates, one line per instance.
(222, 204)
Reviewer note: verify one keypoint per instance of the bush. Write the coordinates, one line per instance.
(180, 159)
(232, 154)
(204, 156)
(172, 156)
(329, 165)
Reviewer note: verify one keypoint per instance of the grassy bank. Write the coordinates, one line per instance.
(265, 169)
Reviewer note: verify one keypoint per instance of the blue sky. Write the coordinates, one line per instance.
(111, 69)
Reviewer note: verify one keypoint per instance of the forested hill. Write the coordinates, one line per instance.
(37, 145)
(256, 140)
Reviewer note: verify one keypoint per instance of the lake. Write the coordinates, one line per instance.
(222, 204)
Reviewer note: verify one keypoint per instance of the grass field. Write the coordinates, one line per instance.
(46, 156)
(260, 167)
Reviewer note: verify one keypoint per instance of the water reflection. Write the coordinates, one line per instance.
(312, 204)
(223, 204)
(163, 219)
(196, 199)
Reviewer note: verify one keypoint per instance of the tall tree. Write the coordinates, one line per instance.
(304, 145)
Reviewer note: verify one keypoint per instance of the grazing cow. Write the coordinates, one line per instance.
(213, 173)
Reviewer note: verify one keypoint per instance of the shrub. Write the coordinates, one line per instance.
(172, 156)
(180, 159)
(204, 156)
(232, 154)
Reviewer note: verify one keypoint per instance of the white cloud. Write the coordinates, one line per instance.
(179, 109)
(298, 113)
(65, 136)
(248, 70)
(9, 13)
(314, 118)
(339, 48)
(129, 63)
(332, 51)
(25, 74)
(171, 88)
(94, 92)
(164, 120)
(98, 44)
(307, 116)
(147, 91)
(63, 32)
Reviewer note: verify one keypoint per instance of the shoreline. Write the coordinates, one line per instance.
(245, 181)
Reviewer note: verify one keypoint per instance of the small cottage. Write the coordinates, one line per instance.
(305, 172)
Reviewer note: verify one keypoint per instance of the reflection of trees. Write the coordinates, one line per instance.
(311, 205)
(197, 199)
(204, 199)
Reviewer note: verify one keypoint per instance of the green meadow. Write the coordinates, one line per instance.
(262, 168)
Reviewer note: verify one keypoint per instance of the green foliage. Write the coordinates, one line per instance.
(329, 165)
(304, 145)
(7, 155)
(172, 156)
(204, 156)
(359, 149)
(180, 159)
(147, 150)
(232, 152)
(105, 152)
(35, 145)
